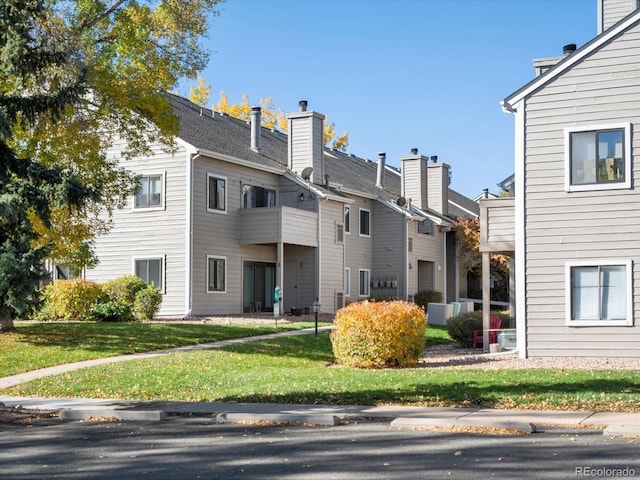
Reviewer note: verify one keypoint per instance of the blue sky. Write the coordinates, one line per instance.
(397, 74)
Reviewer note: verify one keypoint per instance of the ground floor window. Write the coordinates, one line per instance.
(599, 293)
(216, 274)
(150, 270)
(365, 283)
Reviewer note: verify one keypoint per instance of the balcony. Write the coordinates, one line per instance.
(271, 225)
(497, 225)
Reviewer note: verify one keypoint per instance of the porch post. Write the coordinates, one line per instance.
(280, 273)
(486, 299)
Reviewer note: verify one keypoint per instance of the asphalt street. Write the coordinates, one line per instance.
(197, 447)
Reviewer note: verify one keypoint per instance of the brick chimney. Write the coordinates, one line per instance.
(306, 142)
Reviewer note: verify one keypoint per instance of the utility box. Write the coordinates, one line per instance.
(507, 340)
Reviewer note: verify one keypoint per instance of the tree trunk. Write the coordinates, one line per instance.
(6, 325)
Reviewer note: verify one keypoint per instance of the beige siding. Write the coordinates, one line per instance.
(219, 235)
(615, 10)
(438, 187)
(497, 225)
(426, 248)
(358, 249)
(150, 233)
(331, 254)
(562, 226)
(414, 181)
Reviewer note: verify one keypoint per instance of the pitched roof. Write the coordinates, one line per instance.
(509, 103)
(231, 138)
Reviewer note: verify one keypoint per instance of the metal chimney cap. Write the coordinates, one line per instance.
(414, 151)
(434, 158)
(302, 105)
(569, 48)
(382, 154)
(256, 109)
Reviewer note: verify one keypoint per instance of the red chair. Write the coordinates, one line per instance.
(494, 324)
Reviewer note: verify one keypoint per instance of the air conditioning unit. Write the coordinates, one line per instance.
(507, 340)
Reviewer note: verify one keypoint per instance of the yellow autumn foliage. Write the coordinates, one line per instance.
(379, 334)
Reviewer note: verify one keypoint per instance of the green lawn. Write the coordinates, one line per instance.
(39, 345)
(301, 369)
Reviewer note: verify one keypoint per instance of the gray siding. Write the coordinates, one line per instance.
(426, 248)
(389, 247)
(438, 188)
(358, 249)
(331, 254)
(561, 226)
(497, 225)
(150, 233)
(414, 181)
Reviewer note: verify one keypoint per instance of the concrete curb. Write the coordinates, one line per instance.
(112, 413)
(287, 418)
(615, 431)
(417, 423)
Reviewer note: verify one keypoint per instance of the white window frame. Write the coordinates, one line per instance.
(360, 210)
(628, 159)
(216, 257)
(163, 261)
(628, 264)
(151, 208)
(347, 219)
(366, 285)
(226, 190)
(347, 282)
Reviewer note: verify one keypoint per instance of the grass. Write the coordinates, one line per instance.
(301, 369)
(39, 345)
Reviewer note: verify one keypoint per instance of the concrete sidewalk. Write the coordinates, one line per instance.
(526, 421)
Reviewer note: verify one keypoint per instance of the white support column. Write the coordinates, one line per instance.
(486, 299)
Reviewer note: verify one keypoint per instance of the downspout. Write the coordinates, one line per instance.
(444, 267)
(406, 256)
(318, 288)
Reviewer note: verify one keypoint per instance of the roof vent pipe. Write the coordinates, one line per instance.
(382, 159)
(302, 105)
(569, 48)
(414, 151)
(434, 158)
(255, 128)
(485, 193)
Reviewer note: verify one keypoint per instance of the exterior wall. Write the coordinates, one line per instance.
(389, 252)
(150, 233)
(426, 248)
(562, 226)
(218, 234)
(358, 249)
(438, 187)
(331, 255)
(414, 180)
(611, 11)
(497, 225)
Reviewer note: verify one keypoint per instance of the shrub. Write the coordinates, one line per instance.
(110, 311)
(124, 289)
(71, 299)
(379, 334)
(425, 297)
(147, 303)
(461, 327)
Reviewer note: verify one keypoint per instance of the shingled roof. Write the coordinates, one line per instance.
(227, 136)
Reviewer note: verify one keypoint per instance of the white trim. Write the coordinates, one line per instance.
(360, 210)
(206, 281)
(226, 189)
(163, 193)
(347, 231)
(628, 264)
(239, 161)
(520, 235)
(598, 186)
(511, 102)
(188, 253)
(163, 268)
(368, 285)
(474, 215)
(347, 284)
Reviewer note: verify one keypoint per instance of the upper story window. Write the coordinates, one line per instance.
(254, 197)
(365, 222)
(598, 158)
(599, 293)
(149, 191)
(347, 219)
(216, 194)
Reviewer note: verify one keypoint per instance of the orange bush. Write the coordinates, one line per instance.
(379, 334)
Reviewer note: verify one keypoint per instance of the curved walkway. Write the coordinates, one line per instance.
(19, 378)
